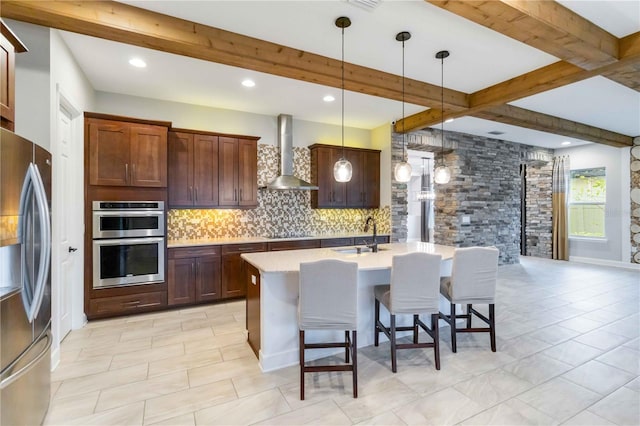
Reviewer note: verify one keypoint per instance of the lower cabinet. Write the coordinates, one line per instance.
(336, 242)
(127, 304)
(252, 282)
(233, 283)
(293, 245)
(194, 275)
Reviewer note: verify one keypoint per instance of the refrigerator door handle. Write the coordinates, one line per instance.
(9, 376)
(45, 243)
(25, 196)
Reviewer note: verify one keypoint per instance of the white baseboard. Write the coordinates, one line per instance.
(604, 262)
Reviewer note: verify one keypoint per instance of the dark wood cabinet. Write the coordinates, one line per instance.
(362, 191)
(193, 169)
(252, 282)
(292, 245)
(336, 242)
(9, 46)
(127, 304)
(194, 275)
(233, 283)
(123, 153)
(238, 172)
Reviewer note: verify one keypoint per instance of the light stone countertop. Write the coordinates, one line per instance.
(248, 240)
(289, 260)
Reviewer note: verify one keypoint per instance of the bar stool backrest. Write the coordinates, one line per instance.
(474, 274)
(415, 283)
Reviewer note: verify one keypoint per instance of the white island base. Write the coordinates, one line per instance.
(279, 298)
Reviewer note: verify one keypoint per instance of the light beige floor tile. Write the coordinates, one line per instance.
(510, 413)
(559, 398)
(213, 373)
(572, 352)
(322, 413)
(634, 384)
(480, 360)
(194, 324)
(141, 332)
(621, 407)
(554, 334)
(184, 316)
(73, 407)
(142, 390)
(215, 342)
(110, 322)
(115, 348)
(537, 368)
(131, 414)
(587, 418)
(522, 346)
(250, 384)
(581, 325)
(117, 329)
(320, 387)
(624, 358)
(184, 362)
(493, 387)
(599, 377)
(249, 410)
(232, 327)
(187, 401)
(99, 381)
(146, 355)
(633, 344)
(432, 380)
(601, 339)
(91, 342)
(188, 419)
(70, 355)
(197, 335)
(388, 418)
(447, 406)
(373, 401)
(94, 365)
(237, 351)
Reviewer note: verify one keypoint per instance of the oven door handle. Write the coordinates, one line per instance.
(127, 241)
(126, 213)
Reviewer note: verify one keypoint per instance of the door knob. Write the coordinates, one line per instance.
(72, 249)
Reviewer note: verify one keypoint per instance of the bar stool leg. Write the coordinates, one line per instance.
(415, 329)
(354, 345)
(376, 329)
(302, 365)
(452, 323)
(346, 347)
(492, 326)
(393, 343)
(436, 339)
(469, 317)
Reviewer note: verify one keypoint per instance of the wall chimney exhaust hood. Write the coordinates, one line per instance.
(286, 180)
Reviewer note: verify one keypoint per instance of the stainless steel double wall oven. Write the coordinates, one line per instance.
(128, 243)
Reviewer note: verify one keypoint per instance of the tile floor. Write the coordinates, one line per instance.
(568, 353)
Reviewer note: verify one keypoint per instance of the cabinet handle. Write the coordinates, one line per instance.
(133, 172)
(193, 268)
(240, 194)
(195, 190)
(235, 195)
(189, 191)
(126, 172)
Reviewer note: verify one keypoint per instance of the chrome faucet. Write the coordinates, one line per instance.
(374, 245)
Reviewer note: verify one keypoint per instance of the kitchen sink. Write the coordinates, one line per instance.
(356, 249)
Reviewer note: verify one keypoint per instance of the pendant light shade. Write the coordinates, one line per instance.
(342, 170)
(442, 173)
(402, 170)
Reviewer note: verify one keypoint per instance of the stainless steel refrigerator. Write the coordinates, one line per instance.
(25, 283)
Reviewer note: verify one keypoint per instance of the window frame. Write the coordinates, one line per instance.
(571, 203)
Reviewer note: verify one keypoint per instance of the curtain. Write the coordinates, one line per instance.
(560, 192)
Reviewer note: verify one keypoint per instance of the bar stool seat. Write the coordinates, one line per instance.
(413, 289)
(328, 300)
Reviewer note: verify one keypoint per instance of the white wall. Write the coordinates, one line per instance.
(615, 247)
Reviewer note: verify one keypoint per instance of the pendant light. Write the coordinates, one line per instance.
(342, 170)
(442, 173)
(426, 192)
(402, 170)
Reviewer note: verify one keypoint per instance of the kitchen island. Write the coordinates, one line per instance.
(272, 296)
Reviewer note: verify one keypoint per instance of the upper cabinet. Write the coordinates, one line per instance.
(9, 46)
(238, 172)
(126, 153)
(193, 169)
(362, 191)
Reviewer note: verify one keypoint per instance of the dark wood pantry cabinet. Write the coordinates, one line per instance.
(362, 191)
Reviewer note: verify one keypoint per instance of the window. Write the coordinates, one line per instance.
(587, 196)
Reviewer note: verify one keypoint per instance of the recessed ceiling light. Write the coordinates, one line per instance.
(248, 83)
(137, 62)
(566, 143)
(449, 120)
(328, 98)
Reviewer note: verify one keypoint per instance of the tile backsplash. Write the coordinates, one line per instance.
(279, 213)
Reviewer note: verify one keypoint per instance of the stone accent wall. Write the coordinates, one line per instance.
(279, 213)
(635, 201)
(485, 187)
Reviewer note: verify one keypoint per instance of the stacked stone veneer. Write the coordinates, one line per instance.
(635, 201)
(281, 213)
(485, 186)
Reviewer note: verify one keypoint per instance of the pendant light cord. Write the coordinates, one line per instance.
(442, 107)
(342, 92)
(404, 135)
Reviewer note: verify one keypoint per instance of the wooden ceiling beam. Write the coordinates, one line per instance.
(545, 25)
(128, 24)
(520, 117)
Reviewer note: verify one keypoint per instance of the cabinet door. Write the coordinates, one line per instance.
(247, 172)
(233, 284)
(148, 156)
(205, 171)
(180, 169)
(330, 193)
(7, 83)
(354, 192)
(180, 284)
(252, 282)
(371, 180)
(109, 153)
(207, 284)
(228, 171)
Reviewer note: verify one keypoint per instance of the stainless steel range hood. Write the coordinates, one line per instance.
(286, 180)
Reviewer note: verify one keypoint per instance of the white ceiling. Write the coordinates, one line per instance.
(479, 58)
